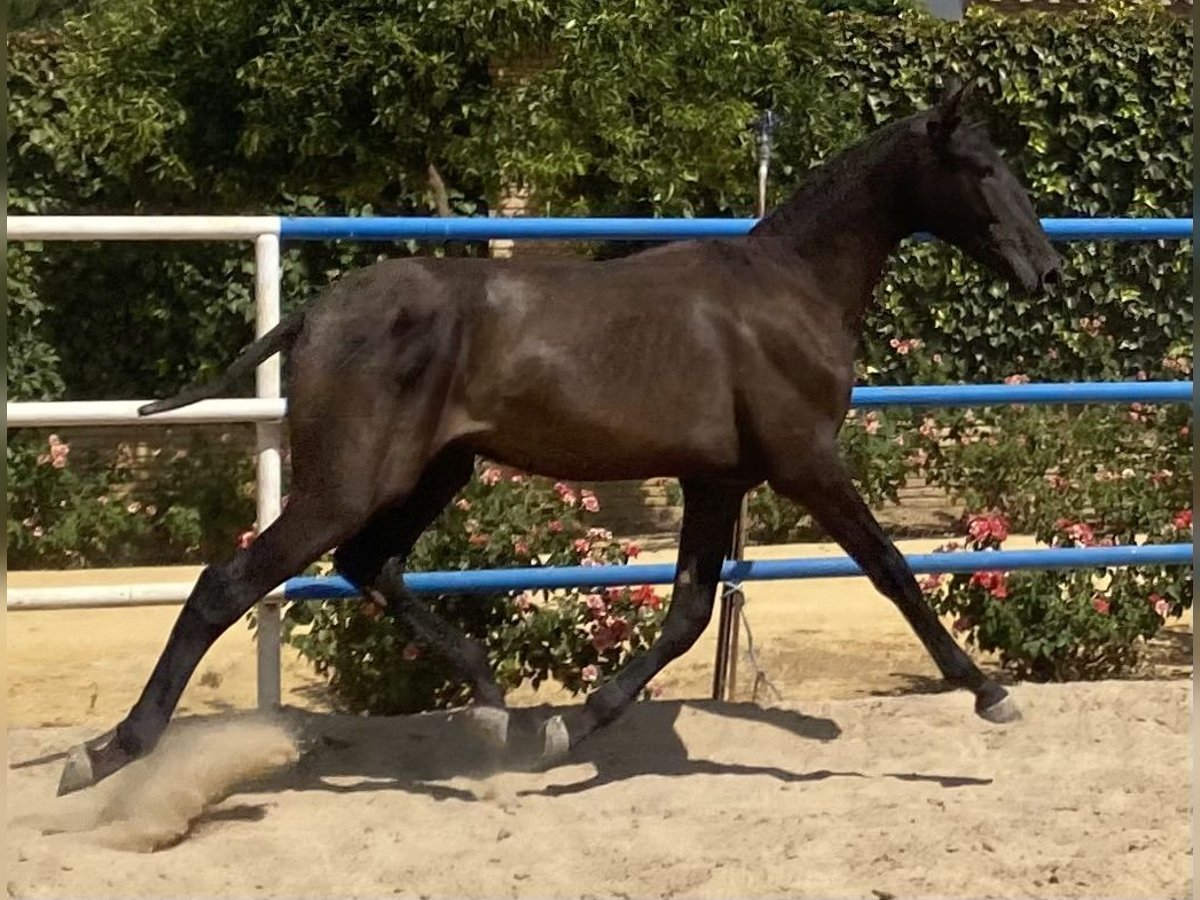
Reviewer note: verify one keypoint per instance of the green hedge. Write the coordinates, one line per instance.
(339, 108)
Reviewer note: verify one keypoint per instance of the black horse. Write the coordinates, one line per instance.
(723, 363)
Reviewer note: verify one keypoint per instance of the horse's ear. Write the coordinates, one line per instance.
(948, 114)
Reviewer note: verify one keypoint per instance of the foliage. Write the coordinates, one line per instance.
(500, 520)
(334, 108)
(1058, 626)
(1127, 469)
(94, 509)
(625, 122)
(1108, 134)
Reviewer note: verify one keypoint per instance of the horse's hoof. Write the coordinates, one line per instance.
(78, 773)
(999, 711)
(491, 724)
(556, 741)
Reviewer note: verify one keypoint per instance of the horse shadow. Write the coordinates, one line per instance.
(425, 753)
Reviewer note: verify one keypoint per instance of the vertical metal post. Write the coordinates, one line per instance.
(732, 598)
(270, 468)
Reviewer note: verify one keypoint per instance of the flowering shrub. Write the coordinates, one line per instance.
(1127, 470)
(70, 512)
(500, 520)
(1061, 625)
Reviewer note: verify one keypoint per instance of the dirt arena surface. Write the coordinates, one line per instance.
(856, 784)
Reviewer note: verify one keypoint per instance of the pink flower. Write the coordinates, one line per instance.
(1183, 519)
(565, 494)
(928, 427)
(630, 549)
(581, 546)
(1141, 375)
(871, 422)
(521, 549)
(590, 503)
(39, 532)
(1079, 532)
(995, 583)
(524, 602)
(479, 539)
(1056, 480)
(1161, 475)
(1017, 379)
(620, 628)
(905, 346)
(1162, 607)
(464, 504)
(931, 583)
(589, 673)
(1177, 364)
(246, 538)
(603, 638)
(963, 623)
(518, 478)
(491, 476)
(1100, 605)
(555, 526)
(645, 596)
(410, 652)
(58, 452)
(980, 528)
(596, 605)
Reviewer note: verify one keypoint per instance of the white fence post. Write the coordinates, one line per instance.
(270, 468)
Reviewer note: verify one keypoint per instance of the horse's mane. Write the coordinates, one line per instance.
(827, 183)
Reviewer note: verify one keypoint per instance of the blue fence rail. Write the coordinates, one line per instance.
(535, 578)
(385, 228)
(559, 577)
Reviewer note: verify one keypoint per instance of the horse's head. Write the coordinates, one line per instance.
(965, 194)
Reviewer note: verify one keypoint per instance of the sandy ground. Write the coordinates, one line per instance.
(855, 782)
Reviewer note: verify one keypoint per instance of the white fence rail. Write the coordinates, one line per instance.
(265, 412)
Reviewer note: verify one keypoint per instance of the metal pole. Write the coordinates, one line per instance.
(270, 468)
(732, 597)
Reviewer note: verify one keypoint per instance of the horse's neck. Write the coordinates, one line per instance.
(843, 233)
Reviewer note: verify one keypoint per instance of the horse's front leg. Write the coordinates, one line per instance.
(710, 511)
(818, 480)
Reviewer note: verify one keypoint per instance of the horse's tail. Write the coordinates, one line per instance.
(281, 337)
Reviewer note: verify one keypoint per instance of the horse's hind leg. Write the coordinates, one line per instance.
(710, 511)
(373, 559)
(223, 594)
(825, 488)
